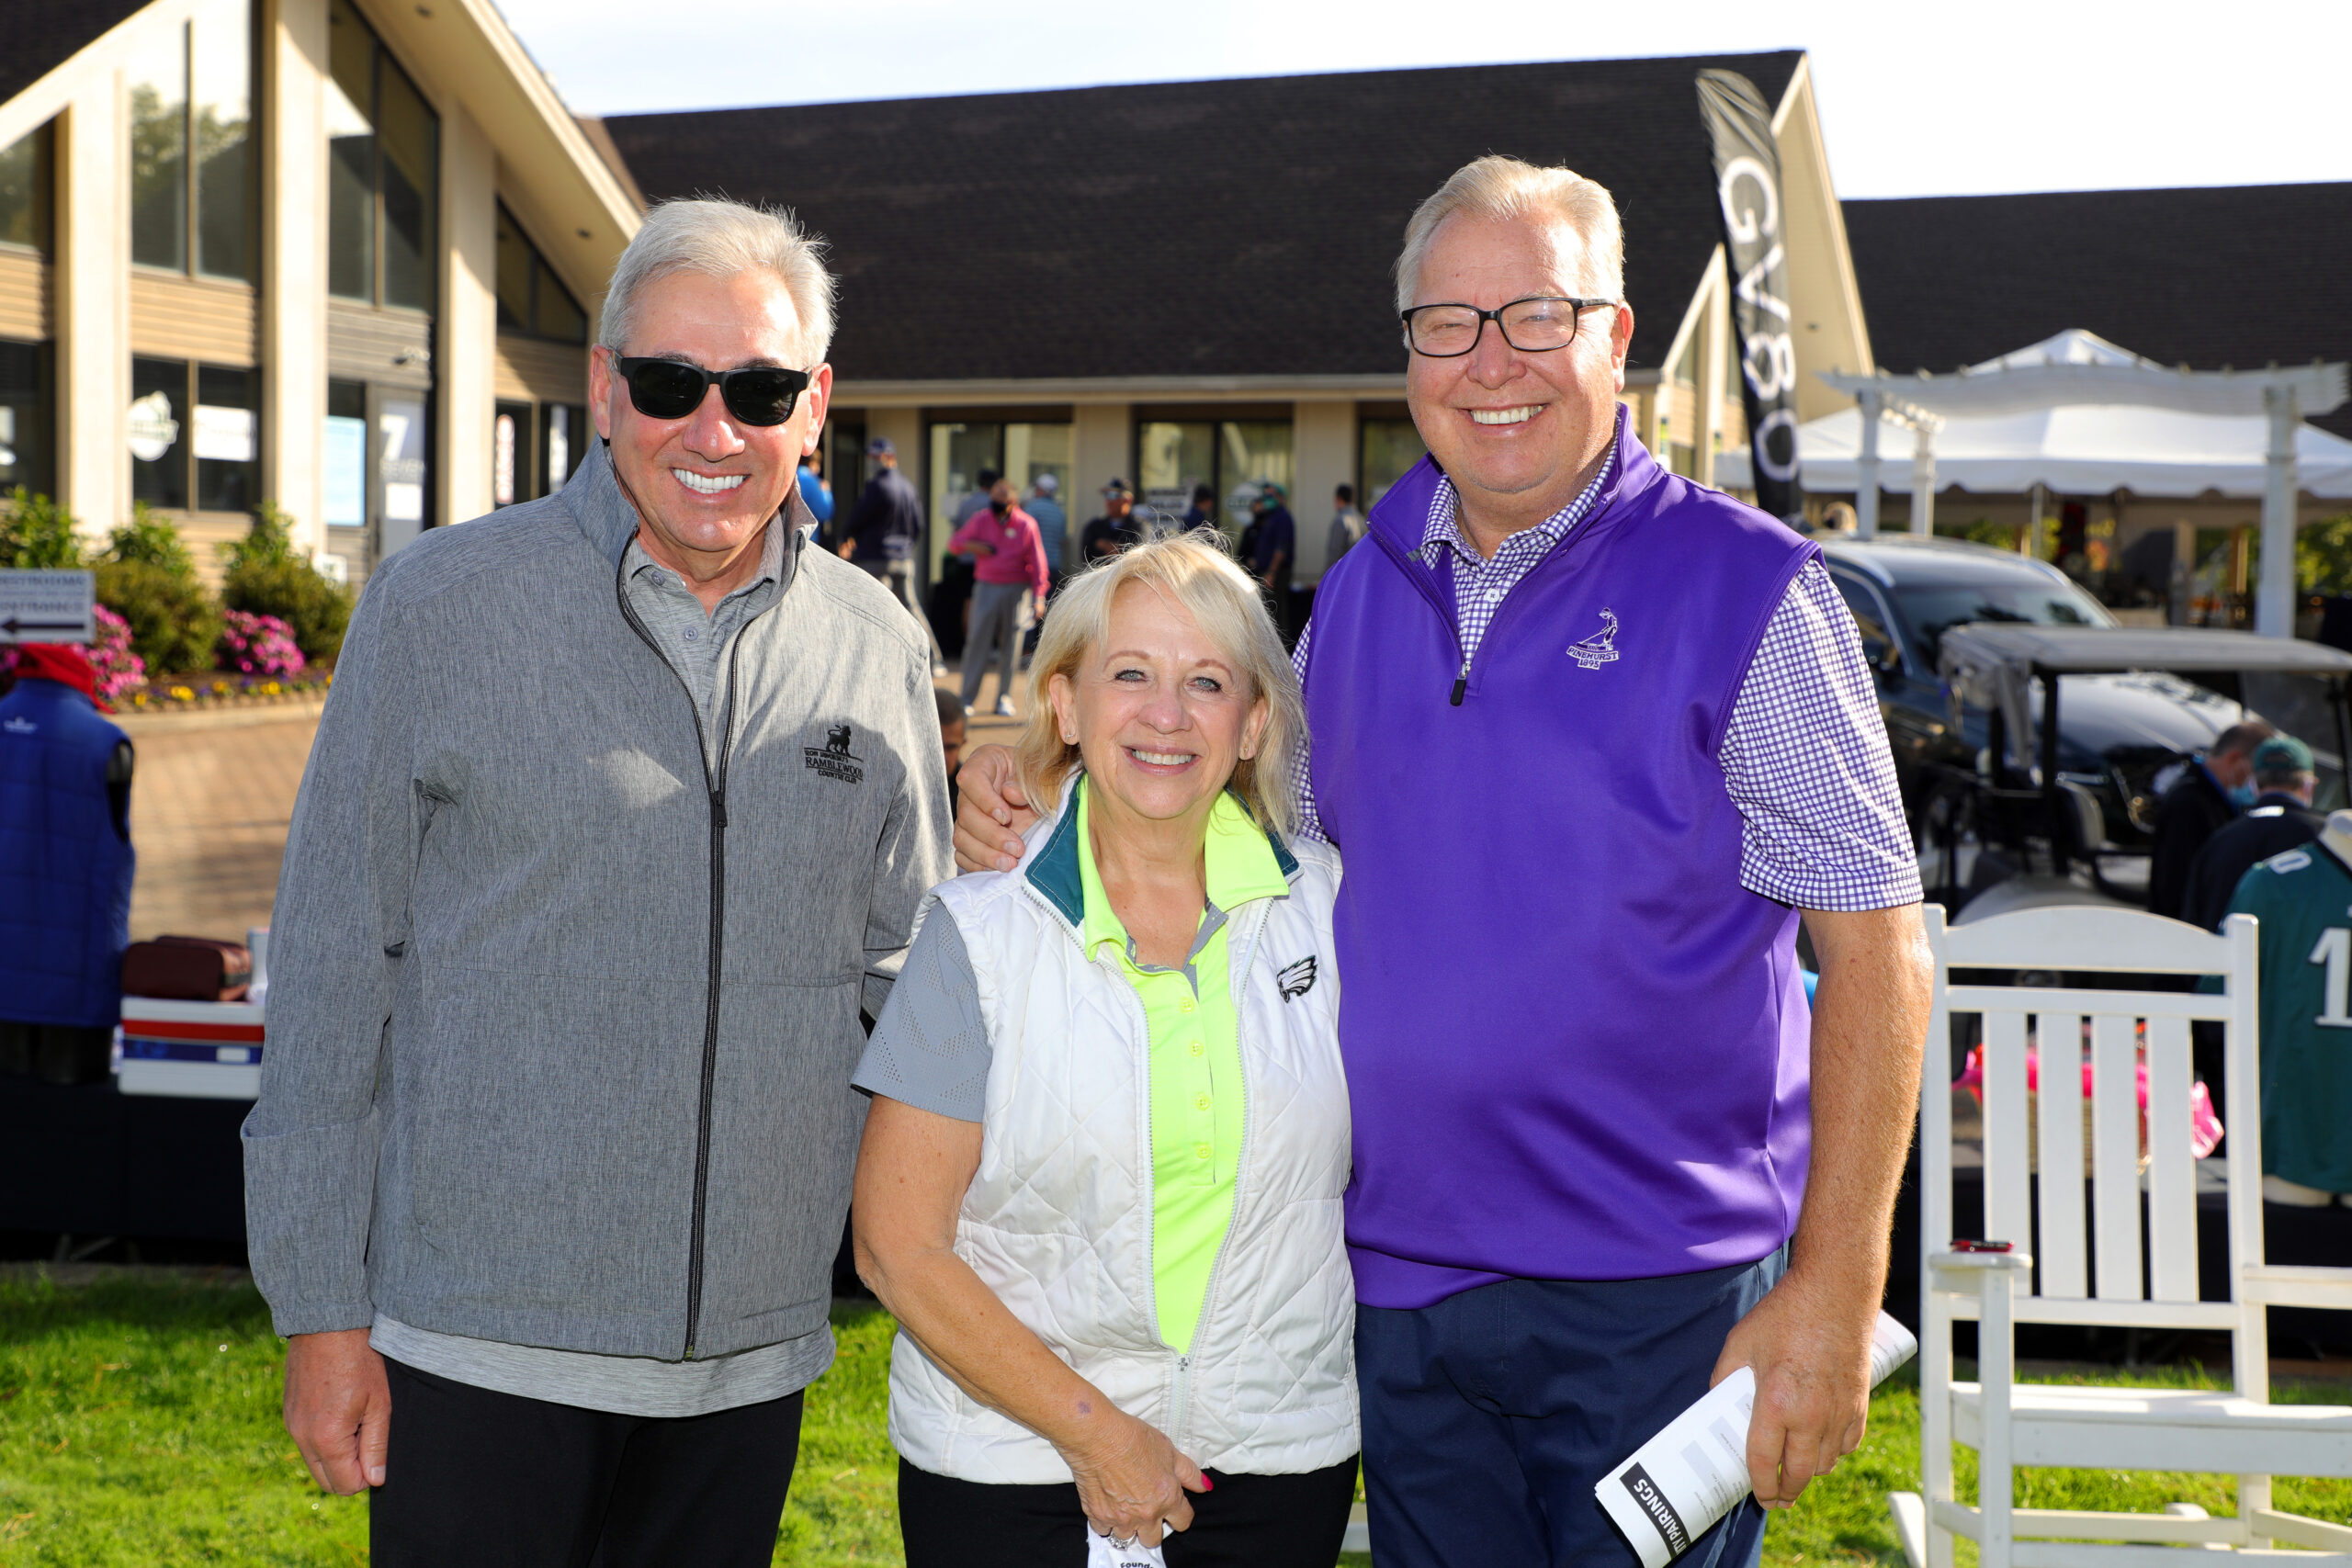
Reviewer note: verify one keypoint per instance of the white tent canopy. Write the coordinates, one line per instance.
(2082, 449)
(2078, 396)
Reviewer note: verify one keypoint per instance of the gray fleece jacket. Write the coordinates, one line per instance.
(561, 1018)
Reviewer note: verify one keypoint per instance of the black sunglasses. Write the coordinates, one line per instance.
(671, 388)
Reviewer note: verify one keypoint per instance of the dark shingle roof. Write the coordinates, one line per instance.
(42, 35)
(2237, 274)
(1198, 228)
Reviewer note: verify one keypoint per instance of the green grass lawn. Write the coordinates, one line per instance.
(139, 1425)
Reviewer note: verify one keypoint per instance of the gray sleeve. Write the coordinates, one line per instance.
(914, 854)
(342, 923)
(931, 1048)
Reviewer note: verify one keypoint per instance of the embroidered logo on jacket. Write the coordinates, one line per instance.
(1296, 979)
(1595, 651)
(833, 759)
(21, 726)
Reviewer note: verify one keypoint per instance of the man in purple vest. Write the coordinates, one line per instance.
(1593, 741)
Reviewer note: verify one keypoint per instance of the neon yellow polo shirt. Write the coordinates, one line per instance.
(1197, 1095)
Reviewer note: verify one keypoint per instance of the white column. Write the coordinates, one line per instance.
(2274, 604)
(1323, 451)
(465, 351)
(294, 262)
(1868, 404)
(92, 275)
(1923, 475)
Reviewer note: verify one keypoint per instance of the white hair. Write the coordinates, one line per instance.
(1499, 188)
(720, 238)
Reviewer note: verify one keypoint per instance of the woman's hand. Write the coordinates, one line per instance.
(1130, 1477)
(991, 812)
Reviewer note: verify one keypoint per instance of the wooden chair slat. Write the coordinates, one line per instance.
(2172, 1166)
(2115, 1160)
(2060, 1248)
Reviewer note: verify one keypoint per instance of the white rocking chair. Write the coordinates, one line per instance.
(2071, 1267)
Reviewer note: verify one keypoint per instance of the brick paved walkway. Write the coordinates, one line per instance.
(209, 807)
(213, 797)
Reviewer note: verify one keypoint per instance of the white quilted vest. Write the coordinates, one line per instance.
(1058, 1220)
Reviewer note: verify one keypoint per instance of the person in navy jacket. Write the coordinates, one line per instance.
(65, 868)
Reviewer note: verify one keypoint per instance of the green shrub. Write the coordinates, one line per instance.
(264, 574)
(2323, 556)
(173, 623)
(314, 609)
(154, 539)
(37, 534)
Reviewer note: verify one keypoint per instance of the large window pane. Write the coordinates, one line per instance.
(27, 425)
(343, 456)
(1171, 458)
(351, 155)
(513, 277)
(1250, 452)
(408, 141)
(158, 75)
(510, 454)
(227, 439)
(555, 314)
(158, 431)
(224, 147)
(25, 204)
(1391, 446)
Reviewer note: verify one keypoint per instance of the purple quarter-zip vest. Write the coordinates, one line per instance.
(1577, 1047)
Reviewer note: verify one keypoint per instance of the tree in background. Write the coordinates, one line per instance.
(2323, 556)
(37, 535)
(264, 574)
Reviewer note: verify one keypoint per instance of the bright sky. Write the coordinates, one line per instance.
(1918, 97)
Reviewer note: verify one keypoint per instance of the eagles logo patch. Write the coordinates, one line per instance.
(1296, 979)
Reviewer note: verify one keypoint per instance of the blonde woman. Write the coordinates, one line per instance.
(1101, 1177)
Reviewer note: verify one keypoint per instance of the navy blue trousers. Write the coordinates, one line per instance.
(1488, 1417)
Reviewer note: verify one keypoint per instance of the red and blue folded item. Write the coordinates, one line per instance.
(156, 1030)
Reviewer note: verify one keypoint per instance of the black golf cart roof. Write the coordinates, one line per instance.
(1981, 648)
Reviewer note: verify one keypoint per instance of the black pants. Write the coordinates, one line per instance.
(475, 1479)
(1247, 1521)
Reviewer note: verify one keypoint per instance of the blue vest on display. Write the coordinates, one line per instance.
(64, 872)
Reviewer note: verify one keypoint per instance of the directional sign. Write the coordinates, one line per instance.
(47, 606)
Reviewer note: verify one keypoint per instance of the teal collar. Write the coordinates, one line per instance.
(1055, 871)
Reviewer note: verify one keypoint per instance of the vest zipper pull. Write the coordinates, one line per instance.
(1462, 681)
(717, 809)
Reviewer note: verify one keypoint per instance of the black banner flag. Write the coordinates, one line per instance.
(1748, 183)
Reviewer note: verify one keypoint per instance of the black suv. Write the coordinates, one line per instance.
(2119, 735)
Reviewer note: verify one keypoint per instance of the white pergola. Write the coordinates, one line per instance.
(2078, 368)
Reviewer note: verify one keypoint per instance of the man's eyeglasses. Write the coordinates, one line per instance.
(1534, 325)
(671, 388)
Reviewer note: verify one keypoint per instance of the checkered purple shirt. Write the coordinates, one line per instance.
(1804, 757)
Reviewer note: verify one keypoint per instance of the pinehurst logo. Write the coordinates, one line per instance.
(1595, 651)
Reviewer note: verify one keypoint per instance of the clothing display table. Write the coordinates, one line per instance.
(87, 1160)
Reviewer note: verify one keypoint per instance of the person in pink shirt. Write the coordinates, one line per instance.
(1008, 563)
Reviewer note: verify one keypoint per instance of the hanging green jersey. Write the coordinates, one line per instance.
(2303, 899)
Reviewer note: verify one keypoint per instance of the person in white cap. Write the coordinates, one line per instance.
(1053, 522)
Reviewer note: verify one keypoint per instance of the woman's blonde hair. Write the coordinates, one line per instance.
(1193, 572)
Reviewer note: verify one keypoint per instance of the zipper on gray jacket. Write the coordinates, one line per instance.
(716, 788)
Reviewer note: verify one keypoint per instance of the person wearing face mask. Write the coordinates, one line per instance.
(2209, 793)
(1008, 566)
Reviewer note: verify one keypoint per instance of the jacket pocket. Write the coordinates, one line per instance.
(553, 1125)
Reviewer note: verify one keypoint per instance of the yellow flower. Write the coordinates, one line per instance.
(182, 694)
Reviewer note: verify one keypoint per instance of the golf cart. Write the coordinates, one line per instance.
(2028, 819)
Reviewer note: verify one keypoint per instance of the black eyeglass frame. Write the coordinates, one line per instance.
(796, 382)
(1405, 318)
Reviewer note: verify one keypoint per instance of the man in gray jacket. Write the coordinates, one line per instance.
(617, 818)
